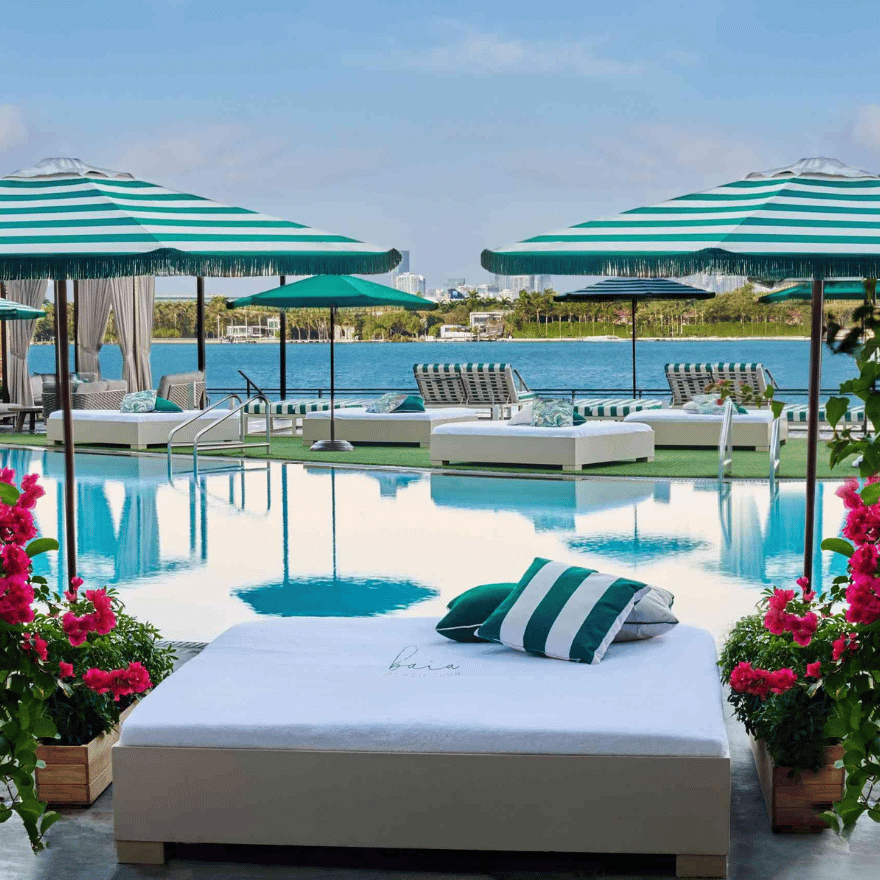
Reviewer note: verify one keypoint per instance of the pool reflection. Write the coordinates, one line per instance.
(195, 556)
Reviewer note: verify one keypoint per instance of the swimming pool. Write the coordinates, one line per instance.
(290, 539)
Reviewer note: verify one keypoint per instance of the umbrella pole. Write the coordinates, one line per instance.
(332, 445)
(634, 344)
(4, 355)
(813, 418)
(200, 323)
(282, 350)
(67, 422)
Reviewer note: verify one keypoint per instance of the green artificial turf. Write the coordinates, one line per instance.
(667, 463)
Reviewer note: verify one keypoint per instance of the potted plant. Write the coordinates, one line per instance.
(793, 754)
(87, 719)
(33, 667)
(744, 395)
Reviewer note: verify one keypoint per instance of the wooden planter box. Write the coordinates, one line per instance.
(76, 775)
(794, 803)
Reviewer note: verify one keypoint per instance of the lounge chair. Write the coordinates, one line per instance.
(187, 390)
(497, 386)
(676, 427)
(688, 380)
(366, 750)
(796, 414)
(94, 394)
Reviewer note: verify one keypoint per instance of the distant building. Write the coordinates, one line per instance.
(455, 331)
(487, 323)
(543, 282)
(409, 282)
(456, 283)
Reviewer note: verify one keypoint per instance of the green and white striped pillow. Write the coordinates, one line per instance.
(563, 611)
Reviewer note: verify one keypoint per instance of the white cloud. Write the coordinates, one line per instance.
(13, 131)
(469, 50)
(866, 130)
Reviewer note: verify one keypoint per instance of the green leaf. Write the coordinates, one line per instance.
(871, 494)
(872, 410)
(48, 820)
(838, 545)
(40, 545)
(9, 494)
(835, 409)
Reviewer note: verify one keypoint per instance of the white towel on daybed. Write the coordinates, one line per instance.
(595, 428)
(332, 684)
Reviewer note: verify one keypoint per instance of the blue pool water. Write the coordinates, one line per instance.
(289, 539)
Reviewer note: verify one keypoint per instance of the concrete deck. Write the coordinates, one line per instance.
(81, 848)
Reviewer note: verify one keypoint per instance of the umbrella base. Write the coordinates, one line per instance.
(331, 446)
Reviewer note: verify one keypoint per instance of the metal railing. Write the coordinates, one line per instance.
(196, 441)
(725, 442)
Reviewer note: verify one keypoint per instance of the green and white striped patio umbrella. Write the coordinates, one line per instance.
(66, 219)
(816, 218)
(815, 215)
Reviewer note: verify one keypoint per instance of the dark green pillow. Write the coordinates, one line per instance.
(470, 610)
(411, 403)
(577, 419)
(163, 405)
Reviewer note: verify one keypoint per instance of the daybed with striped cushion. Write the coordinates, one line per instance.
(389, 735)
(614, 407)
(292, 410)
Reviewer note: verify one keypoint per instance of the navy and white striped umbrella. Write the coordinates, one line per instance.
(634, 290)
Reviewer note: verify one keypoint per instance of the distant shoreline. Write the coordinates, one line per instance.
(192, 341)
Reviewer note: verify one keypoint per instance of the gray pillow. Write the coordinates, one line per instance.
(166, 382)
(651, 616)
(117, 385)
(88, 387)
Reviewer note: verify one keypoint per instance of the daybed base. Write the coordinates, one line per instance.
(511, 802)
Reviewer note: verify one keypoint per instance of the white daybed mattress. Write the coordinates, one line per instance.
(504, 429)
(329, 684)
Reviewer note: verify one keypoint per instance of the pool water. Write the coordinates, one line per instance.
(195, 557)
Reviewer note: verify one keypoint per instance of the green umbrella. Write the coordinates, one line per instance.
(849, 290)
(333, 292)
(816, 219)
(13, 311)
(64, 219)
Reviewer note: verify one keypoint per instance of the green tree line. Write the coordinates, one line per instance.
(532, 315)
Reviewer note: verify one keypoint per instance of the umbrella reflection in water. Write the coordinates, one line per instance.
(334, 596)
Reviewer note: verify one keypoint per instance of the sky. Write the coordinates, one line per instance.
(440, 129)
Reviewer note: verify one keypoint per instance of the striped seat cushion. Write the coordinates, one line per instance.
(299, 407)
(614, 407)
(797, 413)
(563, 611)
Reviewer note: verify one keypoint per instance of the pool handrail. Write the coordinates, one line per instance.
(725, 441)
(243, 444)
(196, 417)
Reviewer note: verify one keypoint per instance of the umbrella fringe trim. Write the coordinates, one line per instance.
(668, 265)
(168, 261)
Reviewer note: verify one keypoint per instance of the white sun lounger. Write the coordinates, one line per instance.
(570, 448)
(394, 428)
(677, 427)
(380, 733)
(139, 430)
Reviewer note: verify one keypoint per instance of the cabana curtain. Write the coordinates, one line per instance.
(93, 310)
(133, 307)
(19, 334)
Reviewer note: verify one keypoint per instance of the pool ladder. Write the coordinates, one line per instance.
(198, 445)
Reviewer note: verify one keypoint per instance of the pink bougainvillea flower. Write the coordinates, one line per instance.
(781, 681)
(814, 669)
(849, 492)
(65, 669)
(120, 682)
(33, 642)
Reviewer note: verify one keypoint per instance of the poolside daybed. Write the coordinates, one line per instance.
(359, 426)
(110, 427)
(389, 735)
(677, 427)
(569, 447)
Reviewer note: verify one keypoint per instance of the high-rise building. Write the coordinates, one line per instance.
(456, 283)
(520, 282)
(409, 282)
(543, 282)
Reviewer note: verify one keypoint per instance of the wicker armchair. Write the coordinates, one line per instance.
(187, 390)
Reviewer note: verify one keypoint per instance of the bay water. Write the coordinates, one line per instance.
(543, 365)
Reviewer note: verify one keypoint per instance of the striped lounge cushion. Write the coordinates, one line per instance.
(298, 407)
(614, 407)
(563, 611)
(797, 413)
